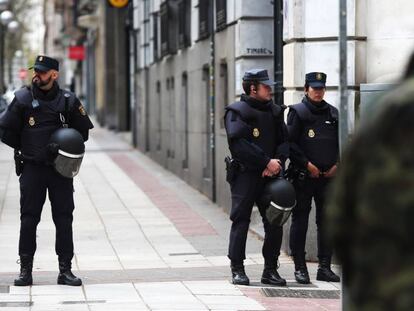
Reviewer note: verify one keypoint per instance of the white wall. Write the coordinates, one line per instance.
(390, 38)
(388, 27)
(254, 8)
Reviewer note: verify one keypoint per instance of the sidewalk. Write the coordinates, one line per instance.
(144, 240)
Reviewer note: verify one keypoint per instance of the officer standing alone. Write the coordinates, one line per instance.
(313, 135)
(34, 115)
(257, 137)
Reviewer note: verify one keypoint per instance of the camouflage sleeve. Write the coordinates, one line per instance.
(370, 211)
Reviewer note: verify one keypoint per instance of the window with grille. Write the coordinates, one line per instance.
(221, 14)
(205, 11)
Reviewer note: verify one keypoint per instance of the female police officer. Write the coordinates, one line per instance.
(33, 116)
(257, 139)
(313, 134)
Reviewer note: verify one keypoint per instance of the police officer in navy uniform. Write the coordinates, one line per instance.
(313, 135)
(33, 116)
(257, 137)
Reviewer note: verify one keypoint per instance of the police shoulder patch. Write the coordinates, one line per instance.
(82, 110)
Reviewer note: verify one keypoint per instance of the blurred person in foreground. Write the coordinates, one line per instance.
(372, 209)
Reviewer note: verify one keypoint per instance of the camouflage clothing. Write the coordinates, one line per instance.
(371, 214)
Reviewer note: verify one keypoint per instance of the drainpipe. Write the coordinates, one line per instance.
(343, 79)
(212, 103)
(278, 51)
(343, 103)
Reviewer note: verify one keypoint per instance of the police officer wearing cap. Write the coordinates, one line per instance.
(257, 138)
(313, 135)
(34, 115)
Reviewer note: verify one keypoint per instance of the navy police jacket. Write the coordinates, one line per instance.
(256, 133)
(313, 134)
(28, 124)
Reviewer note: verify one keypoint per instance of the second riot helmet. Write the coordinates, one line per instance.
(279, 198)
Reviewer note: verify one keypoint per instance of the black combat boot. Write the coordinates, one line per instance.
(301, 271)
(25, 276)
(239, 277)
(324, 271)
(271, 276)
(66, 276)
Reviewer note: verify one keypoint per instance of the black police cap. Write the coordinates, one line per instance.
(258, 75)
(316, 79)
(45, 63)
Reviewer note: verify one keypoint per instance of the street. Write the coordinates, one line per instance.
(312, 91)
(144, 240)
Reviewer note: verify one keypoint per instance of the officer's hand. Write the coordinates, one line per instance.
(267, 173)
(52, 150)
(274, 166)
(313, 170)
(331, 172)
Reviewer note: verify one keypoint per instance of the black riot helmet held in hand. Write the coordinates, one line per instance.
(68, 147)
(279, 198)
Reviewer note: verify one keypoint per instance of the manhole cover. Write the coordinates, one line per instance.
(298, 293)
(4, 289)
(289, 284)
(15, 304)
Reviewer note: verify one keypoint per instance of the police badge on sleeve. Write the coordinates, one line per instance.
(82, 110)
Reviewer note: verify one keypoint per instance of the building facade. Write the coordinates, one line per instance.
(189, 59)
(190, 56)
(61, 33)
(100, 77)
(165, 70)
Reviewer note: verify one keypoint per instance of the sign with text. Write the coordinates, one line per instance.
(258, 51)
(77, 52)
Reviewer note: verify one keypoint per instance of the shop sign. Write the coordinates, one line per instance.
(77, 52)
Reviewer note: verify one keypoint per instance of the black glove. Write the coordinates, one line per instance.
(52, 150)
